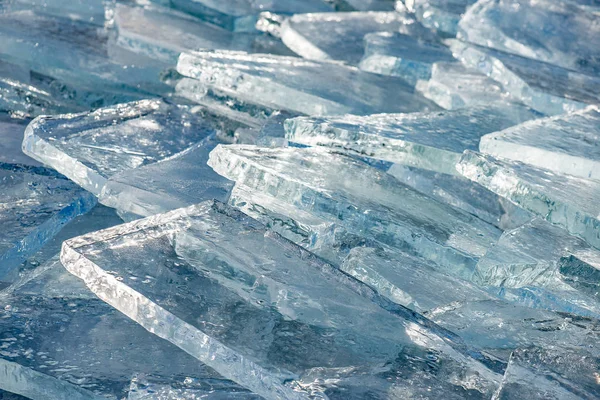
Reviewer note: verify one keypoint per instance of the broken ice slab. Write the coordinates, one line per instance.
(298, 85)
(433, 141)
(441, 16)
(339, 36)
(91, 147)
(277, 321)
(553, 31)
(545, 87)
(35, 203)
(566, 143)
(78, 339)
(241, 15)
(462, 193)
(563, 200)
(453, 86)
(406, 56)
(73, 52)
(541, 374)
(176, 182)
(316, 188)
(11, 137)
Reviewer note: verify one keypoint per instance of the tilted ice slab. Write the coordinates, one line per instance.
(91, 147)
(339, 36)
(35, 203)
(403, 55)
(55, 345)
(278, 321)
(441, 16)
(453, 86)
(563, 200)
(545, 87)
(433, 141)
(329, 188)
(303, 86)
(566, 144)
(241, 15)
(175, 182)
(552, 31)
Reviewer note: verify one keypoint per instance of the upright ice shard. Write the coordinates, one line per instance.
(339, 36)
(36, 204)
(91, 147)
(545, 87)
(278, 321)
(563, 200)
(433, 141)
(553, 31)
(241, 15)
(302, 86)
(398, 54)
(566, 144)
(316, 188)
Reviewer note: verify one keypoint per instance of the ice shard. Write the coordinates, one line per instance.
(91, 147)
(241, 15)
(453, 86)
(316, 188)
(35, 203)
(339, 36)
(566, 143)
(545, 87)
(302, 86)
(553, 31)
(563, 200)
(278, 321)
(398, 54)
(441, 16)
(433, 141)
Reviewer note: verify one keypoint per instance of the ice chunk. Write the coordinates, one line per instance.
(453, 86)
(565, 144)
(35, 203)
(563, 200)
(339, 36)
(91, 147)
(302, 86)
(554, 31)
(545, 87)
(263, 312)
(11, 137)
(241, 15)
(402, 55)
(175, 182)
(433, 141)
(329, 188)
(441, 16)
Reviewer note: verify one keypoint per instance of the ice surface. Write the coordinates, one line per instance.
(402, 55)
(545, 87)
(441, 16)
(370, 5)
(433, 141)
(568, 144)
(278, 321)
(554, 31)
(35, 203)
(297, 85)
(454, 86)
(11, 137)
(91, 12)
(339, 36)
(563, 200)
(328, 188)
(91, 147)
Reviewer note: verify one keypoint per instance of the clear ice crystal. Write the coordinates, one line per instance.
(316, 189)
(563, 200)
(554, 31)
(566, 143)
(278, 321)
(91, 147)
(399, 54)
(302, 86)
(433, 141)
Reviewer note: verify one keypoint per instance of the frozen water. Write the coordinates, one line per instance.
(441, 16)
(11, 137)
